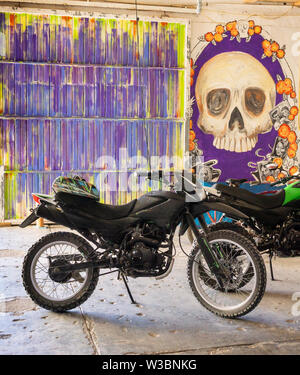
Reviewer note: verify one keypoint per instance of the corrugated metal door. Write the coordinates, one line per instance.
(74, 89)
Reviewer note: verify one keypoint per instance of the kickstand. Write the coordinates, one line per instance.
(271, 266)
(127, 287)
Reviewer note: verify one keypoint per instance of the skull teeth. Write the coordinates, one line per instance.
(238, 147)
(227, 143)
(216, 142)
(249, 147)
(222, 143)
(253, 141)
(241, 144)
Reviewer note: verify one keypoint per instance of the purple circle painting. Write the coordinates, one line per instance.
(234, 91)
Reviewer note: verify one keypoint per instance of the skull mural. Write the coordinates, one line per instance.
(234, 94)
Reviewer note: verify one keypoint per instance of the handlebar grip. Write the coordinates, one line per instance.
(281, 181)
(148, 174)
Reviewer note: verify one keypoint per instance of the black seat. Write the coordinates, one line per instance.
(94, 208)
(264, 201)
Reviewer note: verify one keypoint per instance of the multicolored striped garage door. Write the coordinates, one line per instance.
(74, 90)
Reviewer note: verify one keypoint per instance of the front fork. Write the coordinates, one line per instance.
(212, 261)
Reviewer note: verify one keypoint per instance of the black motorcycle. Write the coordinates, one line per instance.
(225, 271)
(271, 221)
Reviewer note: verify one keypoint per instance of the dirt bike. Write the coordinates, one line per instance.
(270, 221)
(61, 270)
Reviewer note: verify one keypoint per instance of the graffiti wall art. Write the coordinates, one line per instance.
(243, 109)
(76, 90)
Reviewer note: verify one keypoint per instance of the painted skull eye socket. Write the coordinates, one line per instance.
(255, 100)
(217, 101)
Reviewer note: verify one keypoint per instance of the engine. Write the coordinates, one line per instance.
(290, 242)
(293, 239)
(142, 256)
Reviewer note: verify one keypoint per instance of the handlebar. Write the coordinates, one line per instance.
(149, 176)
(284, 180)
(185, 184)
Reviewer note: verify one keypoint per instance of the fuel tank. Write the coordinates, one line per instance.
(159, 207)
(292, 195)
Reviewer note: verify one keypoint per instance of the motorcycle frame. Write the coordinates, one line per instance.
(185, 217)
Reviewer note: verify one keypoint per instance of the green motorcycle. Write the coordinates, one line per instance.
(270, 221)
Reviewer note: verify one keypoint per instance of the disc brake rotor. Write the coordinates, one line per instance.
(236, 273)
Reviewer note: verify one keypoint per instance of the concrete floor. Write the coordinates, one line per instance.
(167, 320)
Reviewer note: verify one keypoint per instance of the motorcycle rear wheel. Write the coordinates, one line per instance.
(54, 290)
(237, 300)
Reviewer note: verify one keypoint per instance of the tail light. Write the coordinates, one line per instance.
(36, 199)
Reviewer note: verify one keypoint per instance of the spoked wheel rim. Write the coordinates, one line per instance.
(238, 260)
(51, 284)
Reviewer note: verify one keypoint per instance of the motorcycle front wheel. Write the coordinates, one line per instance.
(235, 297)
(46, 284)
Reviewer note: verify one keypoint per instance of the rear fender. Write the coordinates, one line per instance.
(29, 220)
(52, 213)
(35, 215)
